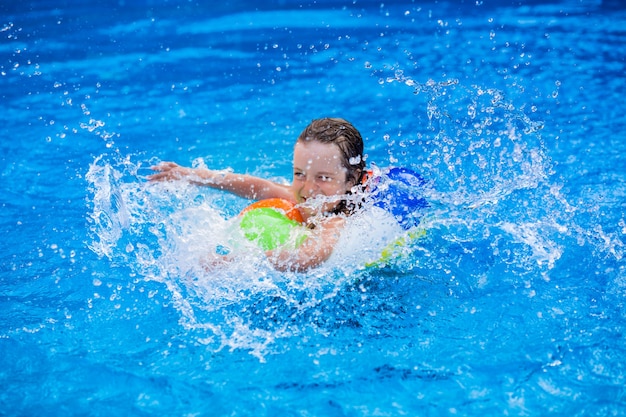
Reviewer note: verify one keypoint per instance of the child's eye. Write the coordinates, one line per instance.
(325, 178)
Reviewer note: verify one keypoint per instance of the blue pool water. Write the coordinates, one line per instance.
(513, 303)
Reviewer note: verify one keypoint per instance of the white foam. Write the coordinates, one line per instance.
(364, 237)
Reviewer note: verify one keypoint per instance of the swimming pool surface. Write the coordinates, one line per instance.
(513, 303)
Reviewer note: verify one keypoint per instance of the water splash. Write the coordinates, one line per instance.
(496, 215)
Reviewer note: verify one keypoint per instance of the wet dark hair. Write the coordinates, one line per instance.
(343, 134)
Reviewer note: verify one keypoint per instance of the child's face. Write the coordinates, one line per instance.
(318, 171)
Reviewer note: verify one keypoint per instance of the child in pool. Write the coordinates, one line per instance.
(328, 164)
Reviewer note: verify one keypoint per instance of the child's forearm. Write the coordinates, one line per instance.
(315, 250)
(246, 186)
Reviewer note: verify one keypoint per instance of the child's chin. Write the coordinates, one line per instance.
(315, 210)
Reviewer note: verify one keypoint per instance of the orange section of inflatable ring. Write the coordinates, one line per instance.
(280, 204)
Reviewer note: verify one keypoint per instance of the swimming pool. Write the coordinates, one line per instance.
(513, 303)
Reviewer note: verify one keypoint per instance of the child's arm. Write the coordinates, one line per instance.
(247, 186)
(316, 249)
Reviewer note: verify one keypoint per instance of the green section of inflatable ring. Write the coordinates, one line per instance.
(270, 229)
(395, 250)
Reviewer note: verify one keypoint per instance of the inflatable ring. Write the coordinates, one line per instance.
(272, 223)
(275, 222)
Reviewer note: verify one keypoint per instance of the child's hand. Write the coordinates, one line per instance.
(168, 171)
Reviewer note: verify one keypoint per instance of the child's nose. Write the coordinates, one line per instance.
(309, 187)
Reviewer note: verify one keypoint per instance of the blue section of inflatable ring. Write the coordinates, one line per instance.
(401, 192)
